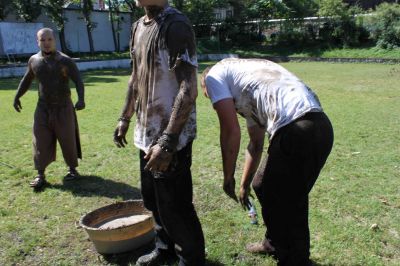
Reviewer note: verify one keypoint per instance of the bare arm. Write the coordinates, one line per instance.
(253, 157)
(80, 89)
(127, 112)
(24, 85)
(180, 43)
(230, 142)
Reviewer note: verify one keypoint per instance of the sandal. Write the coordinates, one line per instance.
(71, 175)
(38, 182)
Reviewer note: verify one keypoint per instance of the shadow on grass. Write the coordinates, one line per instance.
(90, 186)
(104, 75)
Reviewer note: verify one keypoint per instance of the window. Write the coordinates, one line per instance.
(229, 13)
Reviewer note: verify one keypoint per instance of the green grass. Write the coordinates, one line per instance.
(359, 52)
(359, 186)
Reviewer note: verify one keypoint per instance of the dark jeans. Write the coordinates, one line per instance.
(296, 155)
(169, 196)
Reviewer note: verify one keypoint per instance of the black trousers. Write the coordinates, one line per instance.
(296, 155)
(169, 196)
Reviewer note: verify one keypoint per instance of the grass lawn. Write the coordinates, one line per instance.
(359, 186)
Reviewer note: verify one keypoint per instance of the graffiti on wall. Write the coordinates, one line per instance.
(18, 38)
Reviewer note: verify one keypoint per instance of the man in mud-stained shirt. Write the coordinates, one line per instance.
(55, 117)
(162, 92)
(276, 102)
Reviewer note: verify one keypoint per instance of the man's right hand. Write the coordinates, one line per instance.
(120, 133)
(229, 188)
(17, 105)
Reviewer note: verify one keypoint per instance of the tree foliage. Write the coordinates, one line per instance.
(5, 8)
(55, 11)
(28, 10)
(386, 25)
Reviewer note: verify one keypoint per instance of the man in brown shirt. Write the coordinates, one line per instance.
(55, 117)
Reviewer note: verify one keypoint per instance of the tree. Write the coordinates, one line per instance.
(266, 9)
(5, 7)
(55, 10)
(200, 11)
(178, 4)
(114, 12)
(301, 8)
(28, 10)
(87, 7)
(130, 5)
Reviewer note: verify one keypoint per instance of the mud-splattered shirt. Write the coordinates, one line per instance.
(264, 93)
(155, 54)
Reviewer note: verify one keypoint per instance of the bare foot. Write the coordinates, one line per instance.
(263, 247)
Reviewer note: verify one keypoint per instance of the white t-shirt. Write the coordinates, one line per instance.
(157, 85)
(264, 93)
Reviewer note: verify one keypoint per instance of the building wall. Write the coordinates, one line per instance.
(76, 34)
(223, 12)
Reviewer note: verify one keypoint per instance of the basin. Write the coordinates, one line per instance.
(119, 227)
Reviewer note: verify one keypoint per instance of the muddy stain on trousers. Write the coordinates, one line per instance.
(52, 123)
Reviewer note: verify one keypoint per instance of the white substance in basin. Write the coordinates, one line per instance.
(123, 221)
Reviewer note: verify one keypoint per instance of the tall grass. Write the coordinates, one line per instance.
(354, 206)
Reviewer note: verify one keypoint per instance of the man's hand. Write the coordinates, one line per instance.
(17, 105)
(80, 105)
(229, 188)
(120, 133)
(159, 159)
(244, 197)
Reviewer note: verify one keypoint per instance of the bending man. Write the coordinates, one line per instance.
(55, 117)
(276, 102)
(162, 91)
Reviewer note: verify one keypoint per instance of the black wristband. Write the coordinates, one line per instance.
(124, 119)
(168, 142)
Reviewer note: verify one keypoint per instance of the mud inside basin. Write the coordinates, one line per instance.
(119, 227)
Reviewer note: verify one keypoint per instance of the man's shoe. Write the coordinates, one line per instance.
(156, 257)
(263, 247)
(72, 175)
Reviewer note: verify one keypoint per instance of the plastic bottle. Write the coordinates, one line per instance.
(253, 213)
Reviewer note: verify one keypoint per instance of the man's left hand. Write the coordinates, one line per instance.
(80, 105)
(244, 197)
(159, 159)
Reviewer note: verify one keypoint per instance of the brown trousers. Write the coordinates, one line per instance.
(52, 123)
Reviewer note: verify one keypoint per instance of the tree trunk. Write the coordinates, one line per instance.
(90, 37)
(64, 47)
(112, 25)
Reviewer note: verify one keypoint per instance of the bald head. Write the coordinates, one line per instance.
(46, 40)
(45, 31)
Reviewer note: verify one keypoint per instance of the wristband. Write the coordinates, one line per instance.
(168, 142)
(124, 119)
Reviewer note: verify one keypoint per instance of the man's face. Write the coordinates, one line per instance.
(46, 41)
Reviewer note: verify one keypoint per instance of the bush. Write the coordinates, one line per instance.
(341, 27)
(385, 25)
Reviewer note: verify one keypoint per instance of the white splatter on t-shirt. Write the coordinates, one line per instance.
(264, 92)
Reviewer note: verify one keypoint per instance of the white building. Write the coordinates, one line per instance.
(223, 13)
